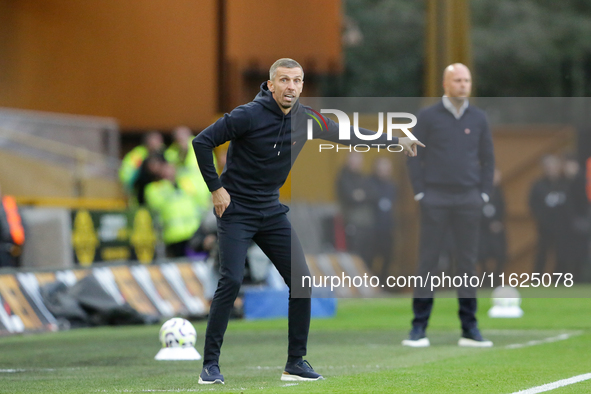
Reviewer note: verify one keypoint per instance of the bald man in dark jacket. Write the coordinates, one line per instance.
(452, 178)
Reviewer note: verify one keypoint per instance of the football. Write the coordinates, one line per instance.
(506, 297)
(177, 332)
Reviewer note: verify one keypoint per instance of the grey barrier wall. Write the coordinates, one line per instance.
(49, 238)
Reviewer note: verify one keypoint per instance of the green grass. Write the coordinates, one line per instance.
(358, 351)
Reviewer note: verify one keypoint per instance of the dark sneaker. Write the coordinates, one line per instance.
(417, 338)
(473, 338)
(300, 370)
(211, 375)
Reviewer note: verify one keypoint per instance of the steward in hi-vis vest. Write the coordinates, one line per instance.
(12, 232)
(179, 203)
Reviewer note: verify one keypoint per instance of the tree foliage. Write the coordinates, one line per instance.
(520, 48)
(531, 47)
(388, 62)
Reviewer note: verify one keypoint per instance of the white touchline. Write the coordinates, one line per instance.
(560, 337)
(555, 385)
(29, 370)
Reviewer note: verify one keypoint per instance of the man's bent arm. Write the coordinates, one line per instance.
(228, 127)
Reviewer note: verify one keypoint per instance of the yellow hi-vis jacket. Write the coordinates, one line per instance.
(179, 208)
(130, 166)
(192, 182)
(183, 160)
(180, 159)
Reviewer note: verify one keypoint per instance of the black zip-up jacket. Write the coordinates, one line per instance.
(264, 145)
(459, 152)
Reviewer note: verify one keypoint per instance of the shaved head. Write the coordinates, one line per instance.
(457, 81)
(453, 68)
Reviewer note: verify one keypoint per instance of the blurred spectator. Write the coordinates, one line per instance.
(12, 232)
(193, 184)
(353, 191)
(588, 178)
(587, 174)
(148, 172)
(384, 201)
(131, 163)
(577, 219)
(493, 239)
(547, 203)
(180, 152)
(175, 201)
(182, 155)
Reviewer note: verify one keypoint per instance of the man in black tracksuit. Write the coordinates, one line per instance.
(355, 195)
(451, 178)
(547, 201)
(576, 218)
(384, 205)
(266, 136)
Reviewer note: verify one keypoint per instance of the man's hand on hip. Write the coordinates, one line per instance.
(409, 146)
(221, 200)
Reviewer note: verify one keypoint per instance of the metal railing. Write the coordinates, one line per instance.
(82, 160)
(86, 147)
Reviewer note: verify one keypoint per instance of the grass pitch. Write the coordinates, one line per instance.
(359, 351)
